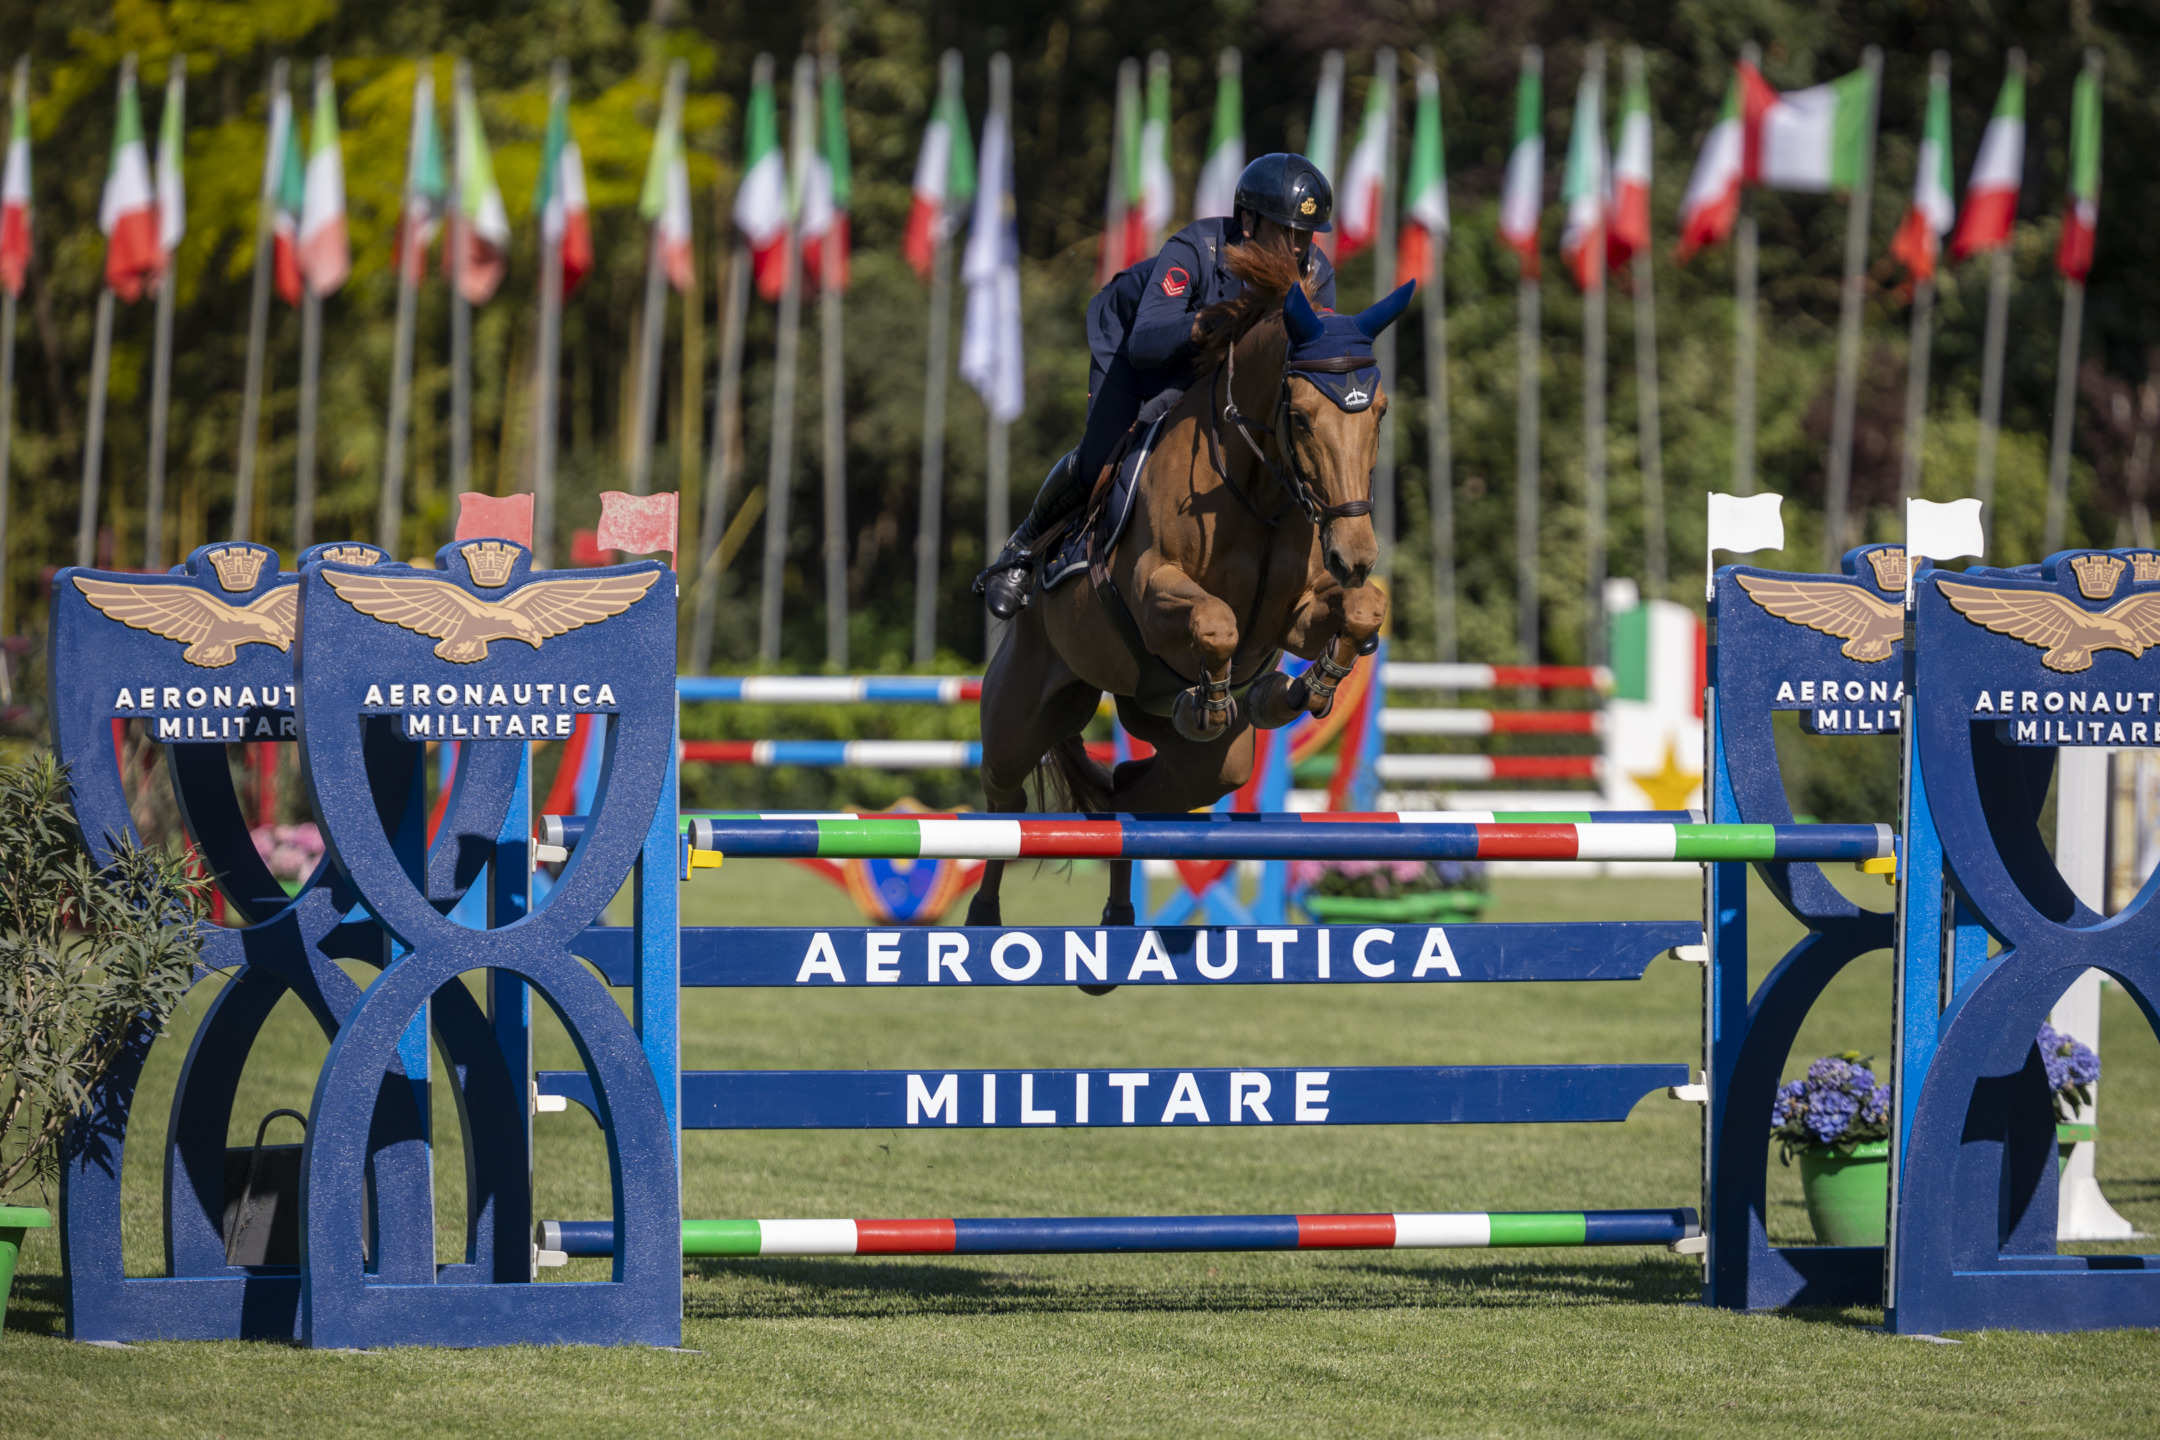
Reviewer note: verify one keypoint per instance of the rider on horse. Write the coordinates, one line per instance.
(1141, 335)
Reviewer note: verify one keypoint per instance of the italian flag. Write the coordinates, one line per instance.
(15, 187)
(128, 211)
(1216, 194)
(1155, 203)
(1991, 195)
(1322, 136)
(171, 186)
(481, 225)
(1425, 212)
(944, 175)
(560, 199)
(830, 187)
(424, 183)
(1814, 139)
(761, 200)
(1357, 211)
(1123, 232)
(2073, 257)
(290, 195)
(1523, 197)
(1584, 187)
(325, 256)
(1629, 218)
(1919, 237)
(1726, 162)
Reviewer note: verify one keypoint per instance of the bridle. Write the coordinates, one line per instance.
(1296, 481)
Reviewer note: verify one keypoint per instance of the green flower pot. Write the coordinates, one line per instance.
(14, 1219)
(1848, 1191)
(1432, 907)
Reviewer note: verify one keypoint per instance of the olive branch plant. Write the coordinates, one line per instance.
(86, 954)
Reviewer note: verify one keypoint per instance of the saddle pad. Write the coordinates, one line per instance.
(1073, 553)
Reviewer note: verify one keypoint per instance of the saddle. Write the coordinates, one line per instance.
(1086, 540)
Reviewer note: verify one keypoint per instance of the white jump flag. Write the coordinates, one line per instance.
(1945, 531)
(1741, 524)
(1940, 532)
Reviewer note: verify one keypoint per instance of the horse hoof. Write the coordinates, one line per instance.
(1097, 989)
(985, 912)
(1118, 912)
(1188, 716)
(1275, 700)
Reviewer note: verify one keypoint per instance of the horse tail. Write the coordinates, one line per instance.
(1072, 779)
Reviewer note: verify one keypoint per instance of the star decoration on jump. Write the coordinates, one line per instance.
(1669, 785)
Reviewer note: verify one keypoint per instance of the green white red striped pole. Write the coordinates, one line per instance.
(562, 1240)
(1430, 835)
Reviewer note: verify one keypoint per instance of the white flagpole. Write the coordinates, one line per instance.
(161, 355)
(259, 319)
(1922, 344)
(1526, 443)
(930, 518)
(1744, 322)
(1384, 521)
(833, 426)
(460, 311)
(997, 478)
(392, 504)
(1594, 496)
(547, 376)
(1649, 439)
(779, 475)
(1439, 435)
(1839, 470)
(655, 322)
(94, 436)
(1991, 363)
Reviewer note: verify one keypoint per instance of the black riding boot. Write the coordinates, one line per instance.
(1005, 586)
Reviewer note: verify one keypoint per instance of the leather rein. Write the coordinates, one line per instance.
(1295, 481)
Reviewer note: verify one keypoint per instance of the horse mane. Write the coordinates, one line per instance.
(1268, 272)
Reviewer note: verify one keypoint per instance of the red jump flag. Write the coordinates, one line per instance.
(638, 524)
(485, 516)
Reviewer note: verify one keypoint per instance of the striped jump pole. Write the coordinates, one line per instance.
(1413, 675)
(566, 830)
(863, 754)
(1429, 835)
(562, 1240)
(1398, 720)
(1479, 768)
(832, 689)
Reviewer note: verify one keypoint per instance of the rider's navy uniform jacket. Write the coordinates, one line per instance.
(1139, 327)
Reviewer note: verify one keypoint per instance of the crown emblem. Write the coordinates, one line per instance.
(2144, 567)
(1889, 566)
(490, 562)
(1308, 207)
(2097, 575)
(237, 567)
(352, 554)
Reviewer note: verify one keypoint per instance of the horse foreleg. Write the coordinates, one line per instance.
(1197, 634)
(1332, 627)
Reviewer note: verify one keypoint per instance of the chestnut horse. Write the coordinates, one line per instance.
(1248, 537)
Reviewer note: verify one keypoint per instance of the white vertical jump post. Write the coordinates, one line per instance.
(2081, 850)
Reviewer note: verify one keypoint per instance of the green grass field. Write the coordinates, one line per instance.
(1496, 1342)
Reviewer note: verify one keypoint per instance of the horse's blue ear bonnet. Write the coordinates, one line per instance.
(1333, 353)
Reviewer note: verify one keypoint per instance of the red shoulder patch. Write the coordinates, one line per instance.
(1175, 281)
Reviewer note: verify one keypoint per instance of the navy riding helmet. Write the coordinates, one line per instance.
(1288, 189)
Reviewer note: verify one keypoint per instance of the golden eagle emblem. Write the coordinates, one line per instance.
(465, 624)
(212, 630)
(1868, 626)
(2068, 632)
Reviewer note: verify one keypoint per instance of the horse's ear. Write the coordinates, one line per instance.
(1384, 313)
(1298, 317)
